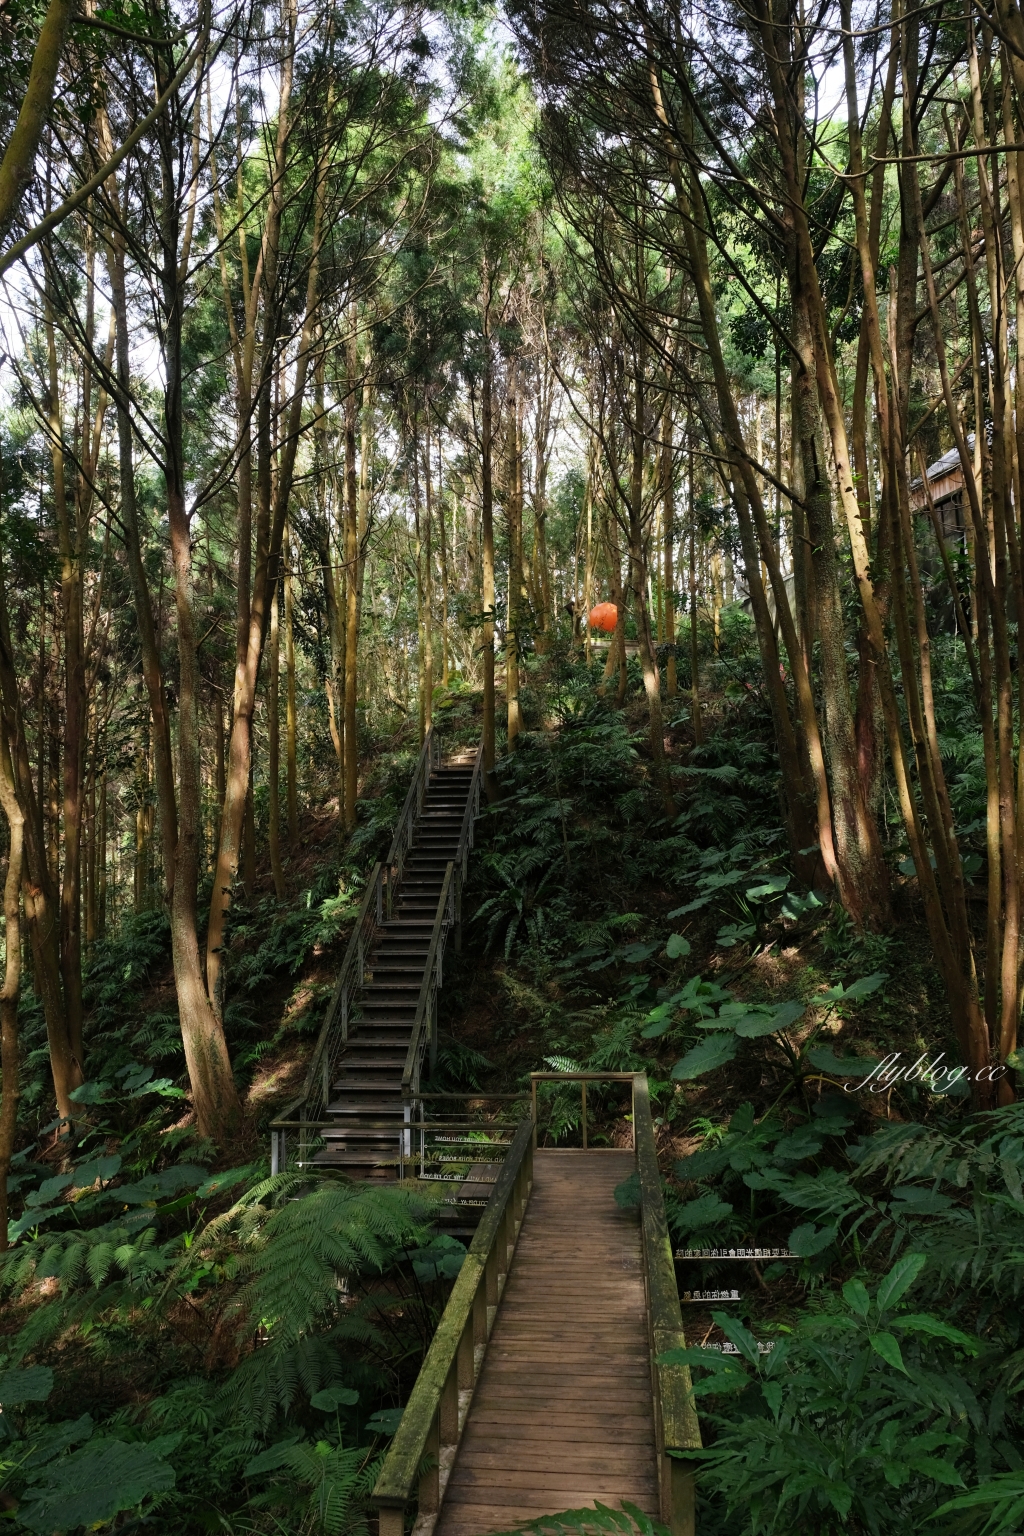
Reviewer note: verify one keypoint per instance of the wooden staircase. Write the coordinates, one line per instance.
(369, 1109)
(361, 1093)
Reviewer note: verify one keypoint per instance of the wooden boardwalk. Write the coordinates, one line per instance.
(562, 1414)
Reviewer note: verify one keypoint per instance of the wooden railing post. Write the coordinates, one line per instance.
(392, 1520)
(430, 1482)
(480, 1315)
(448, 1410)
(466, 1368)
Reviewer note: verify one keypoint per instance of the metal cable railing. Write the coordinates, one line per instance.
(447, 920)
(429, 759)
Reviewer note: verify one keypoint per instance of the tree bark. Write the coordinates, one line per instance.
(274, 751)
(9, 995)
(487, 548)
(18, 164)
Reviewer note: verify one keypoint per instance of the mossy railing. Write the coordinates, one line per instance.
(675, 1419)
(420, 1458)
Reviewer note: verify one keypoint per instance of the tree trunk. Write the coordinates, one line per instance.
(74, 710)
(291, 712)
(39, 894)
(352, 553)
(487, 555)
(638, 568)
(513, 634)
(668, 491)
(274, 751)
(698, 725)
(214, 1095)
(18, 163)
(9, 1052)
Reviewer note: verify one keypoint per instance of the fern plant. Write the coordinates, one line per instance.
(322, 1489)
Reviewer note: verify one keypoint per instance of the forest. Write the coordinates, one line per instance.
(624, 398)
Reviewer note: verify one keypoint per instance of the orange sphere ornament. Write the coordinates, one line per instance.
(605, 616)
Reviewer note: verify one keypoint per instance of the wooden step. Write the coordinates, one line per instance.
(353, 1100)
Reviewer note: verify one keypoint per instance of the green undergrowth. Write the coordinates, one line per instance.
(185, 1342)
(870, 1381)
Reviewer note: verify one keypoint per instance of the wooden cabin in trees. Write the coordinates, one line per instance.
(943, 484)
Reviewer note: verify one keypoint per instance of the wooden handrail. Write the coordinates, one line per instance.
(675, 1418)
(472, 807)
(438, 1405)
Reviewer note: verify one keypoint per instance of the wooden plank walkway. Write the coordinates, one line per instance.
(562, 1413)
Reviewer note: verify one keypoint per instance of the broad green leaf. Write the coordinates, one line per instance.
(713, 1052)
(92, 1485)
(385, 1421)
(333, 1398)
(862, 987)
(885, 1345)
(90, 1093)
(275, 1456)
(802, 1143)
(865, 985)
(32, 1385)
(1006, 1492)
(1010, 1171)
(841, 1497)
(705, 1164)
(700, 1213)
(825, 1059)
(49, 1190)
(635, 954)
(737, 1334)
(58, 1438)
(923, 1202)
(810, 1240)
(102, 1168)
(727, 1374)
(768, 1021)
(217, 1183)
(743, 1119)
(734, 933)
(794, 906)
(788, 1013)
(921, 1322)
(940, 1471)
(855, 1294)
(899, 1279)
(772, 887)
(677, 946)
(691, 906)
